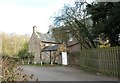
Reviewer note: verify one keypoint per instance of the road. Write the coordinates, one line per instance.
(61, 73)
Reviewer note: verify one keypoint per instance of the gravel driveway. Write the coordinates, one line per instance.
(62, 73)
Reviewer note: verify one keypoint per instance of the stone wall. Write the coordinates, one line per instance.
(34, 46)
(73, 58)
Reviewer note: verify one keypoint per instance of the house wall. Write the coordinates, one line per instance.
(46, 57)
(34, 46)
(73, 55)
(75, 48)
(73, 58)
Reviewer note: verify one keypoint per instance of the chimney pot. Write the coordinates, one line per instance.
(34, 29)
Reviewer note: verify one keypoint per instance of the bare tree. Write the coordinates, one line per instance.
(77, 23)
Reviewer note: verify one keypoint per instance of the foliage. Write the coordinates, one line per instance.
(23, 52)
(12, 71)
(88, 22)
(105, 16)
(25, 55)
(76, 23)
(62, 48)
(60, 34)
(12, 43)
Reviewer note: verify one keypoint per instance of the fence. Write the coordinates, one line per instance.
(103, 60)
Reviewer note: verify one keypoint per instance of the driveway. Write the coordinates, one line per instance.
(62, 73)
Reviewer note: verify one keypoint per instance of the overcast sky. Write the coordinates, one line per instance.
(20, 16)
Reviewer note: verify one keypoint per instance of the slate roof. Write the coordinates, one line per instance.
(51, 48)
(46, 37)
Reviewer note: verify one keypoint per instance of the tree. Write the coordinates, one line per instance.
(12, 43)
(105, 16)
(60, 34)
(76, 23)
(25, 55)
(30, 57)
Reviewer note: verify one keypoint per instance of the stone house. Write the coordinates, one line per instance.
(38, 42)
(74, 47)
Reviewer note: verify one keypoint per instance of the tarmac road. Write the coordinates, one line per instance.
(62, 73)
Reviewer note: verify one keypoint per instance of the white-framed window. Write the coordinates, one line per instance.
(46, 44)
(53, 44)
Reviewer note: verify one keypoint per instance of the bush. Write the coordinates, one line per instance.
(12, 71)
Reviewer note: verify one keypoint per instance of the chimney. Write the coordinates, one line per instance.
(34, 29)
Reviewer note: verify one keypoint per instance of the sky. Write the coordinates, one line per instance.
(19, 16)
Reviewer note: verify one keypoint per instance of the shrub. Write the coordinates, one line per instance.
(12, 71)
